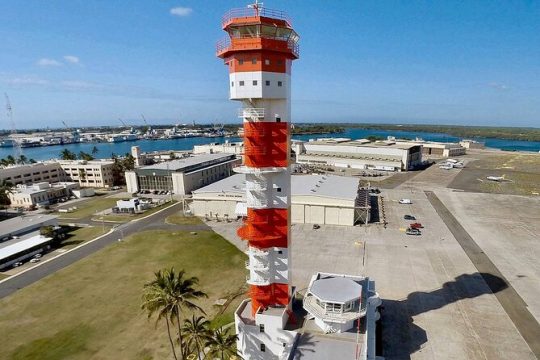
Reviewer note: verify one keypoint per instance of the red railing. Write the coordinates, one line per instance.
(270, 43)
(252, 12)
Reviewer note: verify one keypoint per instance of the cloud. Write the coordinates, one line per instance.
(498, 86)
(27, 80)
(48, 62)
(181, 11)
(71, 59)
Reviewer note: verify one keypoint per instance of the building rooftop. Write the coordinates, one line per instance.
(336, 289)
(21, 245)
(396, 144)
(342, 187)
(20, 223)
(179, 165)
(85, 162)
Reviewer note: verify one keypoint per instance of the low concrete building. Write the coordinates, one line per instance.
(359, 154)
(472, 144)
(182, 176)
(316, 199)
(20, 238)
(94, 173)
(438, 149)
(42, 193)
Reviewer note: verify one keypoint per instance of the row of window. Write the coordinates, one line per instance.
(255, 83)
(254, 61)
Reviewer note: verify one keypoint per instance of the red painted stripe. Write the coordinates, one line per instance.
(266, 144)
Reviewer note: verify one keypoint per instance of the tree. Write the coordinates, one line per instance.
(197, 334)
(95, 150)
(222, 344)
(6, 188)
(47, 231)
(168, 295)
(22, 159)
(10, 160)
(85, 156)
(156, 299)
(67, 155)
(129, 162)
(32, 161)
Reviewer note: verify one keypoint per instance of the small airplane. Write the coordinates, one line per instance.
(497, 178)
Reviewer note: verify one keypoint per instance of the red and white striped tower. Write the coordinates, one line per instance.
(259, 51)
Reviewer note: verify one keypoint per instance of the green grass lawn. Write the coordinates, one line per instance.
(83, 234)
(180, 219)
(89, 208)
(91, 309)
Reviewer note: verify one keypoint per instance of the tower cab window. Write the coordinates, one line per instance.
(254, 61)
(266, 62)
(240, 61)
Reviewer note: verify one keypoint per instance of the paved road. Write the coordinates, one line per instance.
(510, 300)
(34, 274)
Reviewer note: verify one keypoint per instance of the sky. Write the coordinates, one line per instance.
(439, 62)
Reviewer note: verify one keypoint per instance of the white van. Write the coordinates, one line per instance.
(405, 201)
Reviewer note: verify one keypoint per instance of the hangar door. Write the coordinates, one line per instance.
(314, 214)
(297, 213)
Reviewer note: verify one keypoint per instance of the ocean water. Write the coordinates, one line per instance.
(105, 150)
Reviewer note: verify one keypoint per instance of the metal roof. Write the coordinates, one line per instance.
(336, 289)
(184, 163)
(332, 186)
(22, 245)
(20, 223)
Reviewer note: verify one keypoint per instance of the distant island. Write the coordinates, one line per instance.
(507, 133)
(316, 129)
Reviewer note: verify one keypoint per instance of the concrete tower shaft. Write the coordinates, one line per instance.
(259, 49)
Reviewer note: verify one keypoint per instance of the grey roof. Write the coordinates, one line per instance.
(332, 186)
(19, 223)
(336, 289)
(180, 164)
(322, 347)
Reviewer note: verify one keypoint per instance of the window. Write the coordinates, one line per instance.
(261, 328)
(280, 252)
(267, 82)
(240, 62)
(263, 347)
(279, 83)
(278, 189)
(241, 83)
(254, 82)
(254, 61)
(278, 119)
(232, 83)
(267, 62)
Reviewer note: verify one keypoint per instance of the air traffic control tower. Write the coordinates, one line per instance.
(258, 50)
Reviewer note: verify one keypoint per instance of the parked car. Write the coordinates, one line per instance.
(17, 264)
(34, 260)
(316, 226)
(405, 201)
(37, 256)
(409, 217)
(416, 226)
(413, 232)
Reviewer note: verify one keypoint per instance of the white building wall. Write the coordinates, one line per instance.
(261, 90)
(131, 182)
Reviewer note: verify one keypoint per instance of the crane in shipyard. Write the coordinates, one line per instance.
(123, 123)
(16, 145)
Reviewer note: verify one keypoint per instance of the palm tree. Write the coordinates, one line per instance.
(10, 160)
(196, 333)
(222, 344)
(183, 295)
(5, 188)
(22, 159)
(67, 155)
(156, 299)
(169, 294)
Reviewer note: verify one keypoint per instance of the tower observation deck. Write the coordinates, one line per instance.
(258, 50)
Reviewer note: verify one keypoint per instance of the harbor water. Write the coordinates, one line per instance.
(105, 150)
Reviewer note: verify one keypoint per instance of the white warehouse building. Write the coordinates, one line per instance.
(315, 199)
(359, 154)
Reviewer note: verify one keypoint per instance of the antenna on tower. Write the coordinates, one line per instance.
(257, 6)
(16, 144)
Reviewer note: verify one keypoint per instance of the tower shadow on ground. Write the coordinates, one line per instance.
(400, 337)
